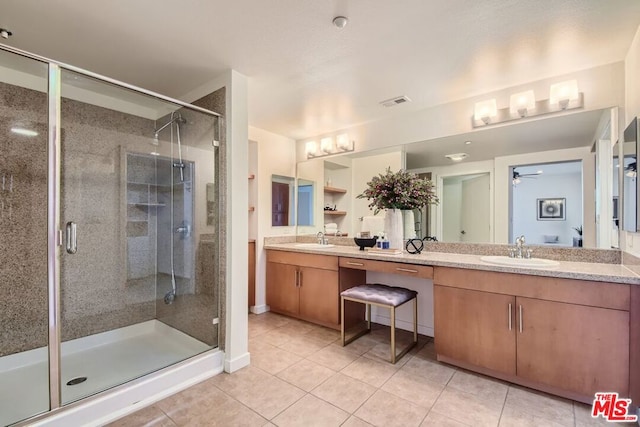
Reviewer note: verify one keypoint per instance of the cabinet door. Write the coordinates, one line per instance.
(319, 299)
(473, 327)
(282, 292)
(573, 347)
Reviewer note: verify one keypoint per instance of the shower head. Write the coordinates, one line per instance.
(155, 139)
(178, 119)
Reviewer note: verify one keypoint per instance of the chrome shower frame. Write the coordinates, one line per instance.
(54, 228)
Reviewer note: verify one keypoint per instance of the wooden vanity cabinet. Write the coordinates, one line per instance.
(563, 336)
(304, 286)
(473, 326)
(573, 347)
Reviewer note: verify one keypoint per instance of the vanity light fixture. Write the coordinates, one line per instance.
(311, 149)
(485, 110)
(343, 143)
(457, 157)
(329, 146)
(562, 96)
(522, 104)
(326, 145)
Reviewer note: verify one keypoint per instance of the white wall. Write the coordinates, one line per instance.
(362, 171)
(525, 195)
(276, 156)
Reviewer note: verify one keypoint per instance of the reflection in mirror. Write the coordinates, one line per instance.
(630, 180)
(493, 150)
(546, 204)
(305, 202)
(282, 205)
(465, 208)
(615, 195)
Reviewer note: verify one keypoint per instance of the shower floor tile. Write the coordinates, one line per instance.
(106, 359)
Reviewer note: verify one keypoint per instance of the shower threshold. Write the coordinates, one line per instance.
(107, 359)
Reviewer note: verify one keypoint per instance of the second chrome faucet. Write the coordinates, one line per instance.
(519, 251)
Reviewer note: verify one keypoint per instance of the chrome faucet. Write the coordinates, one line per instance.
(322, 240)
(519, 250)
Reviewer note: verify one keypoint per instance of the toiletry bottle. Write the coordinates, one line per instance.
(379, 244)
(385, 243)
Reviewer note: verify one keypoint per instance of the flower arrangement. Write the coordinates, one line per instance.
(399, 190)
(578, 230)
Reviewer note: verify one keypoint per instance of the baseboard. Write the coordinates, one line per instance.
(402, 324)
(238, 363)
(259, 309)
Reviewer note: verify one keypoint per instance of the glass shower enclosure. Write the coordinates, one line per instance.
(108, 238)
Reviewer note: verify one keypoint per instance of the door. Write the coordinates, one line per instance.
(475, 327)
(475, 210)
(319, 295)
(282, 289)
(573, 347)
(127, 211)
(279, 204)
(24, 380)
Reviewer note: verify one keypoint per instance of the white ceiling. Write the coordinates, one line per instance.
(307, 77)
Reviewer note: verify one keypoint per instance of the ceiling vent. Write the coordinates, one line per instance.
(395, 101)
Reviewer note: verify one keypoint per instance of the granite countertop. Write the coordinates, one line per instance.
(615, 273)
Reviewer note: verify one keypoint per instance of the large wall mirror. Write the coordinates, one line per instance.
(533, 177)
(306, 201)
(630, 178)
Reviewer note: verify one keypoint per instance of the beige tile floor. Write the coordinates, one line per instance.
(300, 375)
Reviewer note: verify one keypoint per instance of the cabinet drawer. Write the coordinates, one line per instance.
(422, 271)
(325, 262)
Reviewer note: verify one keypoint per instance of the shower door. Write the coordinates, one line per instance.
(24, 374)
(128, 224)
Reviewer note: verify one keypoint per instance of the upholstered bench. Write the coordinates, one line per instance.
(383, 296)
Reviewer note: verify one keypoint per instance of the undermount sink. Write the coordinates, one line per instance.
(520, 262)
(313, 245)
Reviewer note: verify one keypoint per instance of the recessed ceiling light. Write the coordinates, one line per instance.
(457, 156)
(467, 143)
(540, 171)
(25, 132)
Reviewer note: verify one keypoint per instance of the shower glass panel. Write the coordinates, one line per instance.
(137, 286)
(24, 372)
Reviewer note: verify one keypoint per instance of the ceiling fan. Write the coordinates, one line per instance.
(516, 179)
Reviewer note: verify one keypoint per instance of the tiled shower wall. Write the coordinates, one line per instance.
(96, 295)
(194, 311)
(23, 221)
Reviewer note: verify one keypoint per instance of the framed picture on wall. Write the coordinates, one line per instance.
(551, 209)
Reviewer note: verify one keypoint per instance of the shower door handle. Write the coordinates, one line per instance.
(72, 237)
